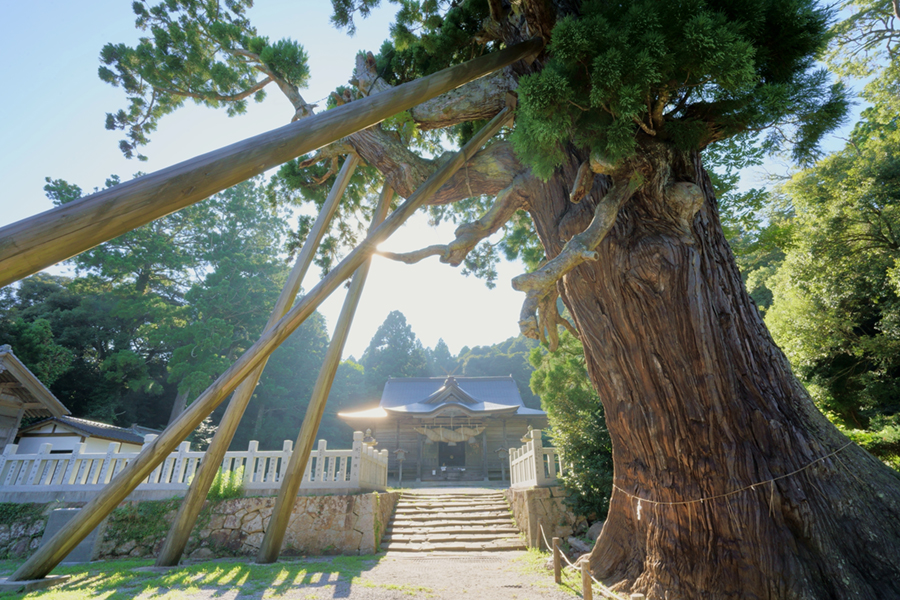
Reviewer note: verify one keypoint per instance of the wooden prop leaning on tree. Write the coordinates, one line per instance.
(181, 528)
(290, 485)
(56, 549)
(32, 244)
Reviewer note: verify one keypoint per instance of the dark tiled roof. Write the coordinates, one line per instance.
(131, 435)
(424, 395)
(20, 385)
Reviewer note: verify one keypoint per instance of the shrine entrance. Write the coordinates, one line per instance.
(451, 454)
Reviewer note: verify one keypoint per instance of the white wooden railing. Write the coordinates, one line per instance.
(533, 465)
(360, 468)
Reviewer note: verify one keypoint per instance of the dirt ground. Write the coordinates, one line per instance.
(488, 576)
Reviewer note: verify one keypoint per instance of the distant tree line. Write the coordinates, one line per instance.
(150, 319)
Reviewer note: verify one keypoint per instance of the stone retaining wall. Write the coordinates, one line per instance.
(340, 524)
(543, 506)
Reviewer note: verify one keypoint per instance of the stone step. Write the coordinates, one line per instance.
(453, 500)
(471, 499)
(453, 496)
(449, 537)
(494, 546)
(426, 523)
(423, 510)
(474, 517)
(455, 522)
(493, 529)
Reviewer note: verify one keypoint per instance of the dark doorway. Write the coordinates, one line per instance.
(451, 456)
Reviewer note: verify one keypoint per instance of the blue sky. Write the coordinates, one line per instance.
(52, 125)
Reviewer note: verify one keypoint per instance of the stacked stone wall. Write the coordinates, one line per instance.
(534, 508)
(340, 524)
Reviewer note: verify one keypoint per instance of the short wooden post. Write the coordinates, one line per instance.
(587, 590)
(557, 561)
(637, 597)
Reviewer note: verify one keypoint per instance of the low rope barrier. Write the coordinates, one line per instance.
(605, 591)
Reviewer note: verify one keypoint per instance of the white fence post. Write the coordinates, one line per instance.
(361, 467)
(533, 465)
(286, 450)
(356, 458)
(105, 470)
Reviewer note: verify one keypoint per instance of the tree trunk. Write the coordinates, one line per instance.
(729, 483)
(178, 406)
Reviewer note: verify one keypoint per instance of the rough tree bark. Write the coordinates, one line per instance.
(729, 483)
(760, 496)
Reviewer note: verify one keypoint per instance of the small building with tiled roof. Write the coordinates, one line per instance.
(448, 428)
(66, 432)
(22, 396)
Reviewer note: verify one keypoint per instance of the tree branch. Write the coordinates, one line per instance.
(468, 235)
(219, 97)
(542, 282)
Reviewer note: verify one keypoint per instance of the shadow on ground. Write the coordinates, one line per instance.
(331, 577)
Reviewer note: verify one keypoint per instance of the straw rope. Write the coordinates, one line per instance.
(732, 493)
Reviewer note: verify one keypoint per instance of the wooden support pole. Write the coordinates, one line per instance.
(557, 561)
(50, 554)
(181, 528)
(37, 242)
(587, 586)
(290, 484)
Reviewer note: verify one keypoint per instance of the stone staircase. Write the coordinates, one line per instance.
(452, 521)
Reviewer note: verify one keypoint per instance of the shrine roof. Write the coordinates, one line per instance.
(432, 396)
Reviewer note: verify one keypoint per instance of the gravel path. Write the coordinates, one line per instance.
(395, 576)
(488, 576)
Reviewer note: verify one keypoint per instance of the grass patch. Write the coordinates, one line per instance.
(118, 580)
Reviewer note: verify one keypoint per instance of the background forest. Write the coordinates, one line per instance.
(153, 317)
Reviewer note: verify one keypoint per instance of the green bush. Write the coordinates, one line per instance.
(227, 486)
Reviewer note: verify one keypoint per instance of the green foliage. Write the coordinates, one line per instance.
(143, 522)
(578, 427)
(205, 51)
(836, 309)
(687, 74)
(509, 357)
(864, 46)
(23, 513)
(394, 351)
(226, 485)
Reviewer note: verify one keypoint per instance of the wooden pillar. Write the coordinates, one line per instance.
(190, 508)
(484, 461)
(419, 439)
(290, 485)
(37, 242)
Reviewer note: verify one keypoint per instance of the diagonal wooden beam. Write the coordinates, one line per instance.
(37, 242)
(55, 550)
(290, 485)
(180, 531)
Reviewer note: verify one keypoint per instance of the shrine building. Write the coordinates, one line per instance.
(453, 428)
